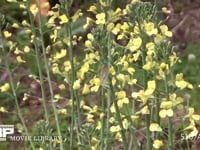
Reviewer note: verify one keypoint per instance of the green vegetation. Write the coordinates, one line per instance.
(101, 75)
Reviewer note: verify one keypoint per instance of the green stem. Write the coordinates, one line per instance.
(74, 96)
(49, 77)
(170, 129)
(111, 92)
(14, 94)
(132, 130)
(103, 138)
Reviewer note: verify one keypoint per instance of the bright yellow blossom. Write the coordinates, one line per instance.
(165, 10)
(62, 87)
(92, 9)
(145, 110)
(5, 87)
(20, 60)
(77, 84)
(86, 89)
(7, 34)
(150, 29)
(60, 54)
(155, 127)
(157, 144)
(2, 109)
(26, 49)
(63, 19)
(151, 86)
(134, 44)
(165, 31)
(101, 18)
(114, 129)
(34, 9)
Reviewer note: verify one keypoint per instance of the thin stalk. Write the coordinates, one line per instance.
(109, 60)
(111, 94)
(49, 77)
(147, 116)
(74, 96)
(103, 139)
(170, 129)
(15, 94)
(37, 57)
(119, 119)
(132, 130)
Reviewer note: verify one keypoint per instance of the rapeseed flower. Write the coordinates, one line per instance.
(5, 87)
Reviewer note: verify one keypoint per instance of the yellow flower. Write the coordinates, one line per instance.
(155, 127)
(103, 3)
(86, 89)
(101, 18)
(90, 117)
(84, 69)
(166, 105)
(191, 114)
(20, 60)
(77, 84)
(150, 29)
(62, 87)
(112, 109)
(116, 29)
(7, 34)
(55, 68)
(90, 36)
(15, 25)
(157, 144)
(88, 44)
(114, 129)
(165, 31)
(120, 95)
(77, 15)
(88, 22)
(151, 86)
(180, 83)
(145, 110)
(34, 9)
(134, 44)
(5, 87)
(134, 1)
(63, 19)
(150, 48)
(125, 124)
(96, 82)
(26, 49)
(110, 26)
(60, 54)
(62, 111)
(165, 10)
(125, 26)
(92, 9)
(166, 112)
(164, 66)
(54, 35)
(99, 126)
(2, 109)
(131, 70)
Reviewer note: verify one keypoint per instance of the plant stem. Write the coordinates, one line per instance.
(103, 138)
(15, 94)
(49, 77)
(75, 108)
(170, 129)
(111, 92)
